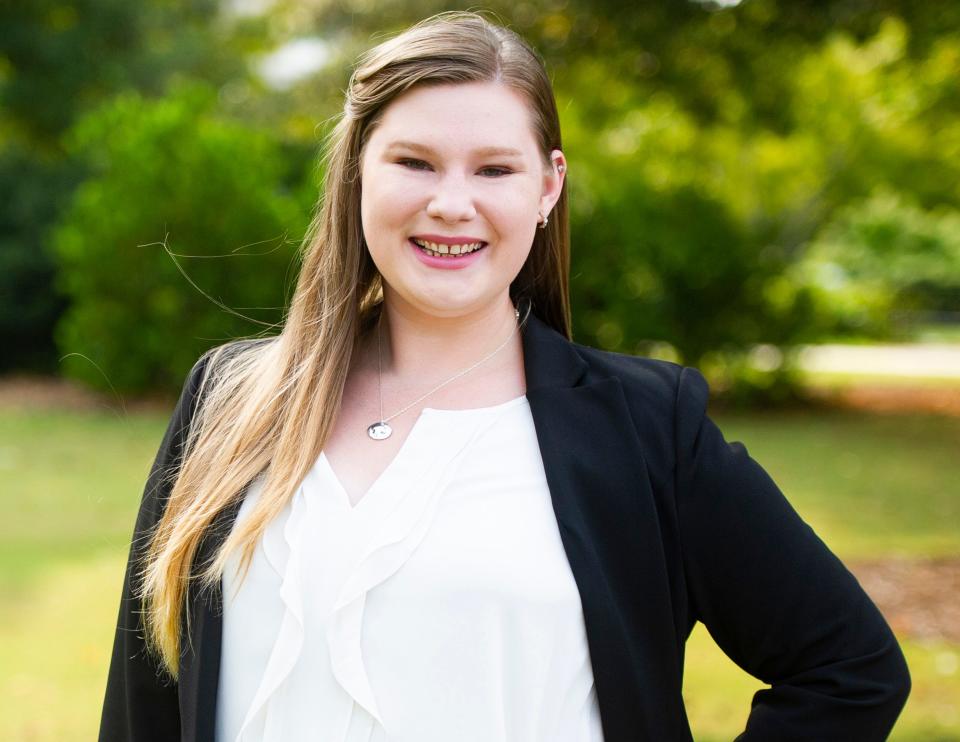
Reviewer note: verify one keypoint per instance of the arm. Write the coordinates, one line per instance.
(775, 598)
(141, 703)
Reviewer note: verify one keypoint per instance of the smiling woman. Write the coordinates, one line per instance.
(450, 166)
(320, 555)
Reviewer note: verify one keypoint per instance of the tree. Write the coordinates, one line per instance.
(173, 186)
(58, 60)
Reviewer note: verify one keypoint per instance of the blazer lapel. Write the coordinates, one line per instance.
(609, 528)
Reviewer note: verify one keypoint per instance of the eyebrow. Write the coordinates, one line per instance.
(481, 151)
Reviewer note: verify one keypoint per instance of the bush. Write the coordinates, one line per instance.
(29, 309)
(183, 215)
(881, 255)
(662, 249)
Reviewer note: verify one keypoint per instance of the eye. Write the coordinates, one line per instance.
(497, 171)
(409, 162)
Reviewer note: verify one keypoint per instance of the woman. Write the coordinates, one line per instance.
(422, 513)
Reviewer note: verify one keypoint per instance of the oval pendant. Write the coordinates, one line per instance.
(379, 431)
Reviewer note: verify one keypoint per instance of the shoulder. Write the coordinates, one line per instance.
(661, 387)
(195, 387)
(230, 349)
(214, 358)
(206, 370)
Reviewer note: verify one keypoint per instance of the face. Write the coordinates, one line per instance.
(456, 163)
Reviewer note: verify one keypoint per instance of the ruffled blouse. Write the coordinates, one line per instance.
(440, 607)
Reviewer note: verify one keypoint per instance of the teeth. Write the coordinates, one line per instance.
(441, 249)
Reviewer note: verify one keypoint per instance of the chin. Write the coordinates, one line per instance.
(454, 306)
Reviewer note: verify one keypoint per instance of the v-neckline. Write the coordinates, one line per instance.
(356, 510)
(344, 496)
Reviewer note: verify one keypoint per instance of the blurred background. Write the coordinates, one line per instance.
(767, 190)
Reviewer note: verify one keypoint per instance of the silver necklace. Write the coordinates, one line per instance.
(380, 429)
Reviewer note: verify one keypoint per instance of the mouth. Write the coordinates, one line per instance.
(450, 252)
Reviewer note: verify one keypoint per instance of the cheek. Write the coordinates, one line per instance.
(515, 230)
(517, 214)
(388, 202)
(523, 221)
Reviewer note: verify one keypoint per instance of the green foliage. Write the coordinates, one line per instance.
(881, 118)
(671, 240)
(881, 255)
(37, 188)
(711, 150)
(172, 186)
(63, 57)
(694, 233)
(58, 60)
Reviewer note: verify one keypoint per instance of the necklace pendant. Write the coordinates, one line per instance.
(380, 430)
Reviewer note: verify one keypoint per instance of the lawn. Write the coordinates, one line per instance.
(871, 486)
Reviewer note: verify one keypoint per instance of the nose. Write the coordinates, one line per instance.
(452, 201)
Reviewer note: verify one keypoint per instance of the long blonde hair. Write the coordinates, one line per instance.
(269, 408)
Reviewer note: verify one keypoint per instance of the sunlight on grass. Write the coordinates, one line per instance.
(718, 694)
(933, 709)
(77, 478)
(55, 649)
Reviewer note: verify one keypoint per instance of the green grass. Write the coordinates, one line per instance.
(55, 641)
(869, 485)
(717, 693)
(75, 483)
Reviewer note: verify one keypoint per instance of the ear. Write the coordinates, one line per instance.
(553, 178)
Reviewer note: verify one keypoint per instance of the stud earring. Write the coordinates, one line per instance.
(543, 224)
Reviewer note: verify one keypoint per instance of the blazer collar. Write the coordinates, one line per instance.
(550, 360)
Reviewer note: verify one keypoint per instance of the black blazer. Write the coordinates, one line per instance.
(663, 523)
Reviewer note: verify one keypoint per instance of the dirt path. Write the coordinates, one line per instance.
(918, 597)
(40, 393)
(893, 399)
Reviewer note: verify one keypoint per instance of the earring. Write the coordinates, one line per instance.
(543, 224)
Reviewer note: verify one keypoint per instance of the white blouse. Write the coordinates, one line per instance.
(441, 607)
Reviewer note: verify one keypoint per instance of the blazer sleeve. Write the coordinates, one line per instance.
(141, 702)
(776, 600)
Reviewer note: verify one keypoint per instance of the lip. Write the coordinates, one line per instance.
(441, 239)
(449, 263)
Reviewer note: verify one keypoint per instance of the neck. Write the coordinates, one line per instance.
(422, 346)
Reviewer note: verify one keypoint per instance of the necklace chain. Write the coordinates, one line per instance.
(383, 420)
